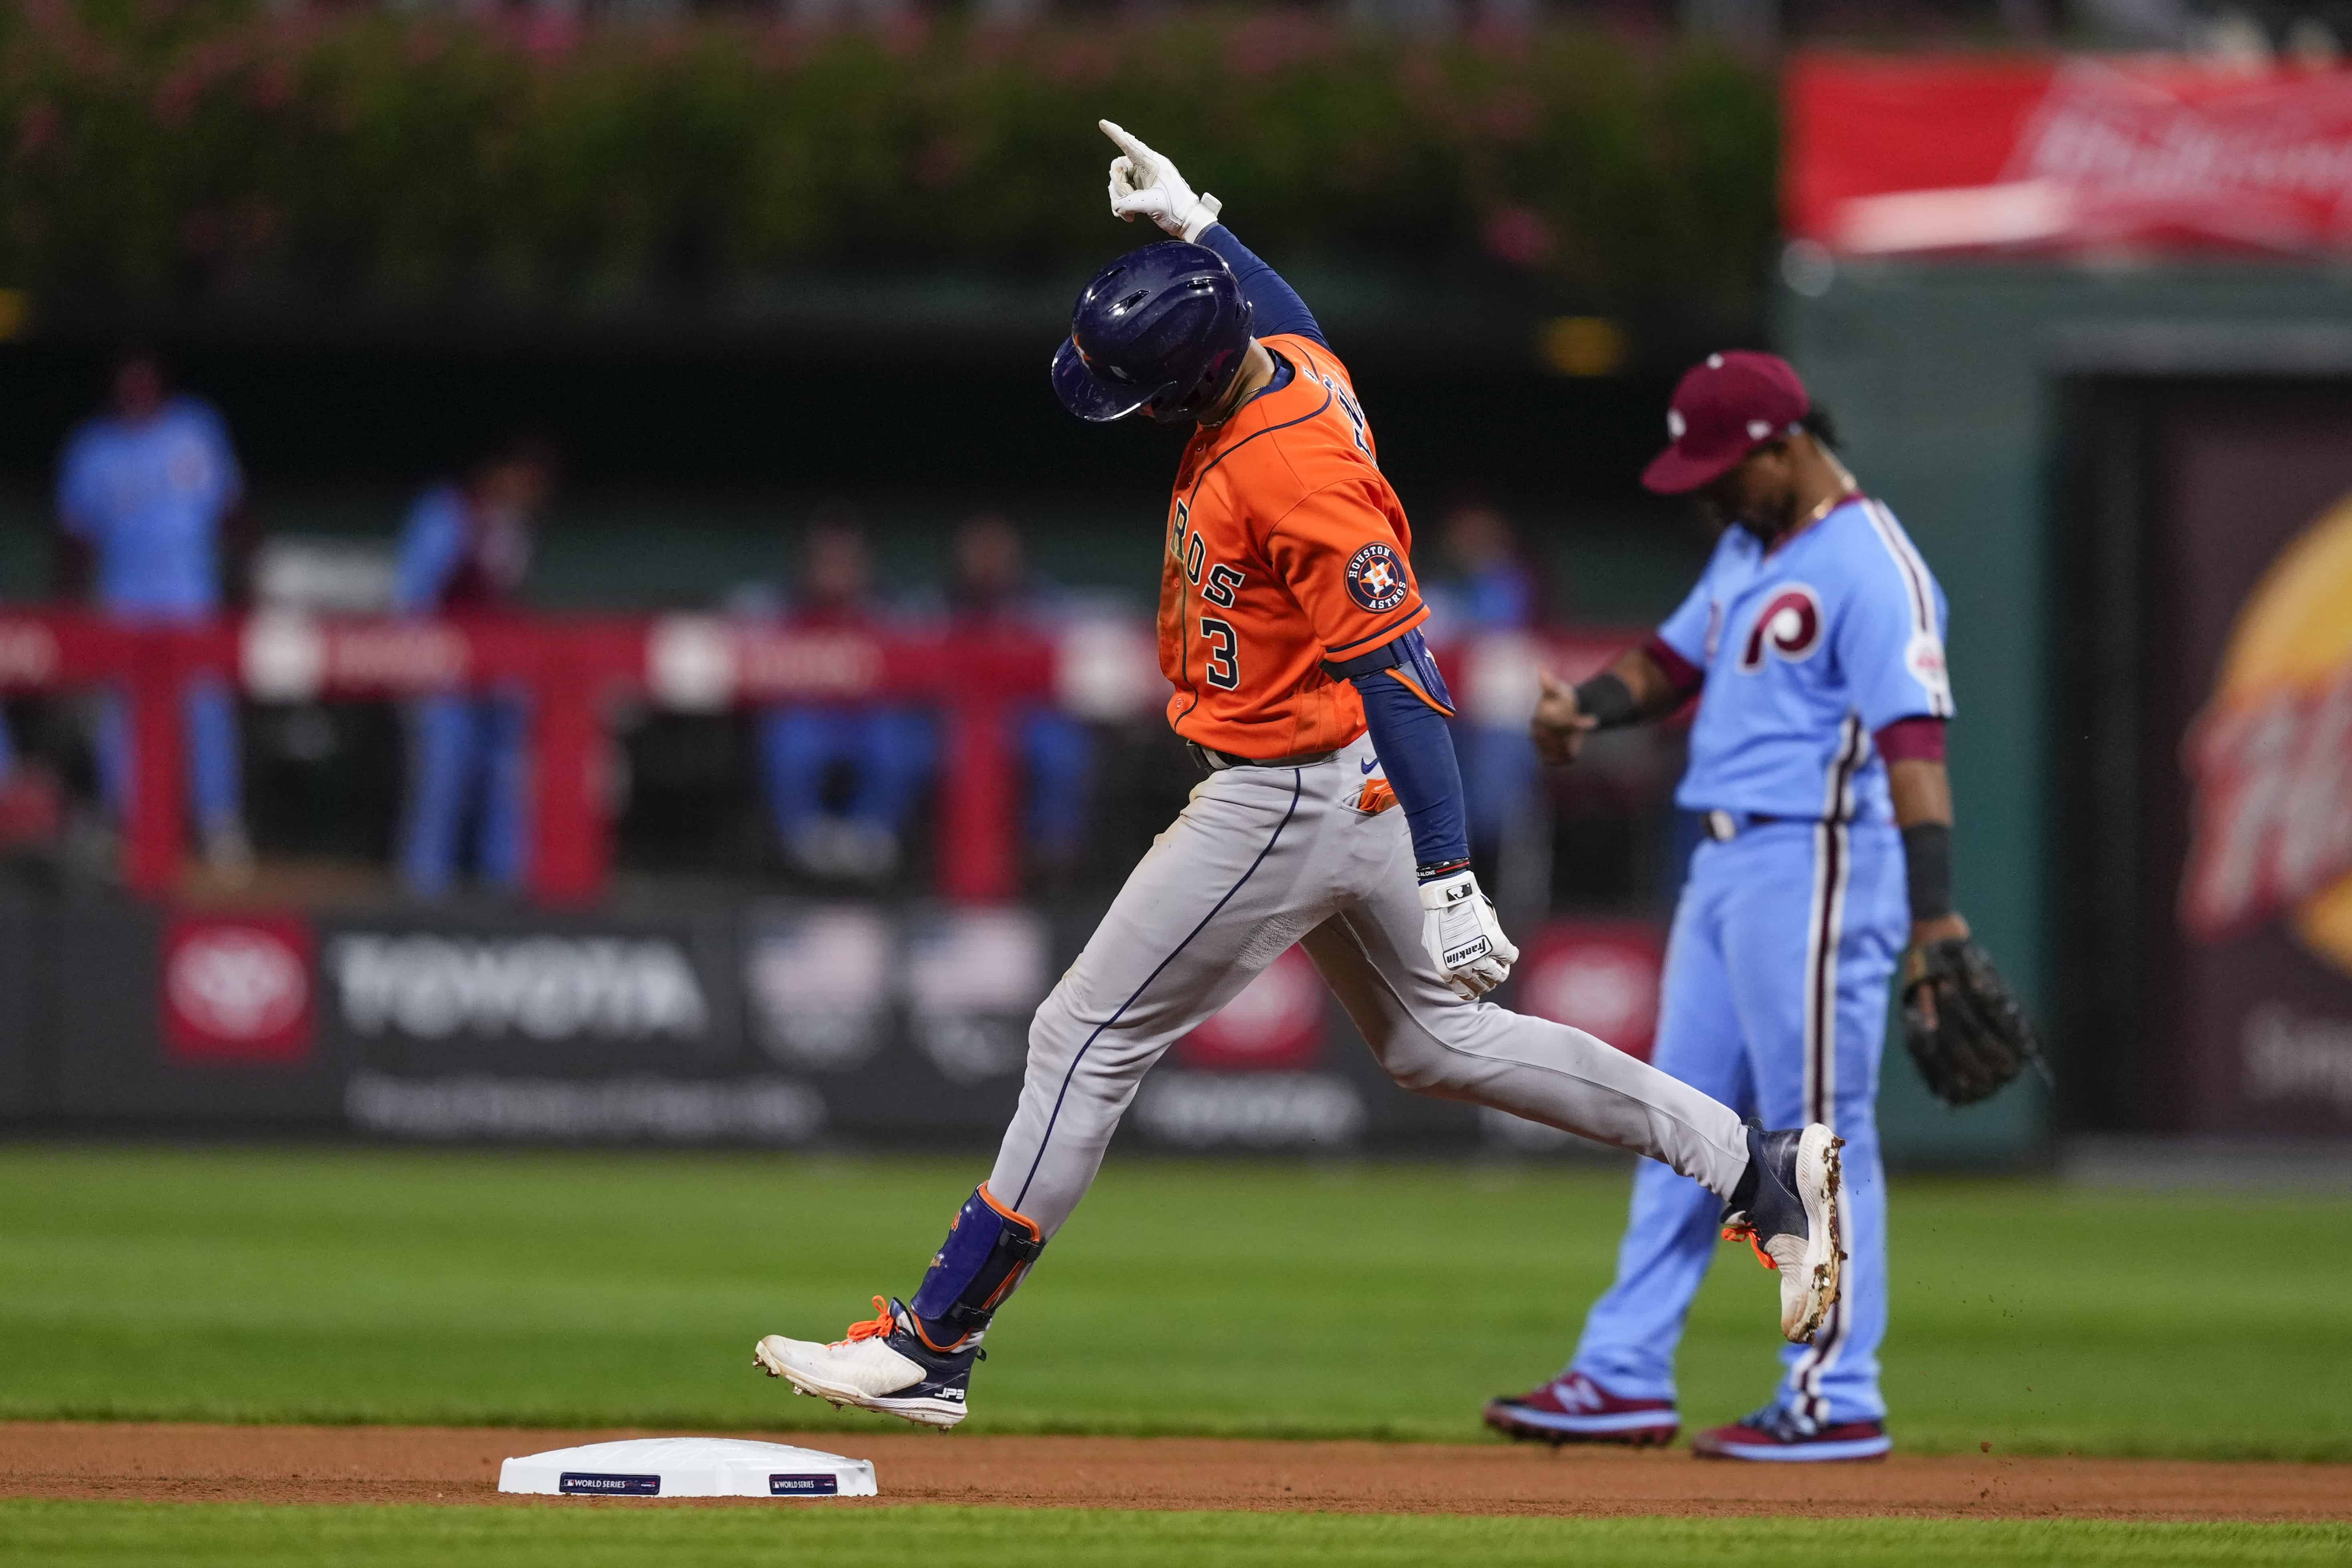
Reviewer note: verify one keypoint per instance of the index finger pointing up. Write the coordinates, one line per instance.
(1132, 146)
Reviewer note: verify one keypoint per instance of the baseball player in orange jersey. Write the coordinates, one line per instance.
(1330, 817)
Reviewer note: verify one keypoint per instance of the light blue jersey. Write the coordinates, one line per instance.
(1788, 932)
(1808, 650)
(149, 498)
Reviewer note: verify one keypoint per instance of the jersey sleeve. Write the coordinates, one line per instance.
(1685, 631)
(1889, 637)
(1342, 561)
(1277, 307)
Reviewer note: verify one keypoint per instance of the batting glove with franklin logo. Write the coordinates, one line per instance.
(1464, 938)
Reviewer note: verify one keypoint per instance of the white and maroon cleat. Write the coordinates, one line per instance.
(1572, 1408)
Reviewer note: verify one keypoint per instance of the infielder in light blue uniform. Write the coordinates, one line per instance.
(145, 490)
(1814, 644)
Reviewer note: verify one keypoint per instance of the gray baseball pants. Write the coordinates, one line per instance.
(1265, 857)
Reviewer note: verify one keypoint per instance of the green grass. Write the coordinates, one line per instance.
(811, 1536)
(1384, 1301)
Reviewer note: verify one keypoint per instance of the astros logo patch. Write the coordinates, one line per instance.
(1376, 579)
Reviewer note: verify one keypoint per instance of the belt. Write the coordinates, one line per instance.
(1724, 826)
(1212, 761)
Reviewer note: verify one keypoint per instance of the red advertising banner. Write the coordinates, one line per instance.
(1888, 156)
(1274, 1024)
(1599, 976)
(236, 989)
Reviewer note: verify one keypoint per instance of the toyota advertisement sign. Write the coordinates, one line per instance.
(769, 1024)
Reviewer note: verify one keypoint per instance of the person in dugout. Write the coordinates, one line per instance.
(1493, 590)
(990, 589)
(880, 752)
(149, 498)
(464, 550)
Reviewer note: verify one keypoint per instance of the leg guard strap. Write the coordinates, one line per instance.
(988, 1249)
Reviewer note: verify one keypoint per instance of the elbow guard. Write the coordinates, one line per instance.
(1406, 660)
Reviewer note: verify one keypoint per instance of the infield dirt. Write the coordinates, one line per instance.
(138, 1462)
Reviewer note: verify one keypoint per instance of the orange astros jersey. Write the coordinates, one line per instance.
(1286, 546)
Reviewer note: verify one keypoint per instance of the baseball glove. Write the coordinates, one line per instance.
(1978, 1039)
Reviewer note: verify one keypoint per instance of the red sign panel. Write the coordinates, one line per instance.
(1921, 155)
(1599, 976)
(238, 989)
(1274, 1024)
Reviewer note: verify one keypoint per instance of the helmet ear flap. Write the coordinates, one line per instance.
(1216, 376)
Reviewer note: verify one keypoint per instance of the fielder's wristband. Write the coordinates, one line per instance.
(1608, 700)
(1431, 873)
(1927, 867)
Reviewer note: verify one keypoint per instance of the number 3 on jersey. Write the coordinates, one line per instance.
(1224, 671)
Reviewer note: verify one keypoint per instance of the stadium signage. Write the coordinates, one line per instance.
(1276, 1023)
(2249, 761)
(703, 664)
(2272, 756)
(1894, 156)
(1258, 1110)
(543, 987)
(639, 1108)
(285, 656)
(236, 989)
(1598, 976)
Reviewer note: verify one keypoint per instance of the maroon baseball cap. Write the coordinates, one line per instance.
(1724, 409)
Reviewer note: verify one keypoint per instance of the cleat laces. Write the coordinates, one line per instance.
(878, 1327)
(1742, 1231)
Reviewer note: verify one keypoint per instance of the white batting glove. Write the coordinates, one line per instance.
(1464, 938)
(1144, 183)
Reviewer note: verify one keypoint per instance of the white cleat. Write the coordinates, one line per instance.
(881, 1366)
(1797, 1222)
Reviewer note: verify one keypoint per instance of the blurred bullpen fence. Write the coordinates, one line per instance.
(572, 674)
(160, 157)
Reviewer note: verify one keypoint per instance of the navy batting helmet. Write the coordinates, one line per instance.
(1164, 328)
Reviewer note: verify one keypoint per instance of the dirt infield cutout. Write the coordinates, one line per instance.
(159, 1462)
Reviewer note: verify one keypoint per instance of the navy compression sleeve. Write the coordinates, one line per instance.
(1405, 708)
(1278, 304)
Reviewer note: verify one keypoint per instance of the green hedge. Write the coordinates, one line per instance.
(155, 151)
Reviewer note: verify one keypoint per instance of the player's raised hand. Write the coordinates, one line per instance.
(1559, 725)
(1463, 937)
(1144, 183)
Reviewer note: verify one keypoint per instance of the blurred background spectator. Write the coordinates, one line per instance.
(148, 496)
(1489, 586)
(992, 591)
(464, 550)
(842, 780)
